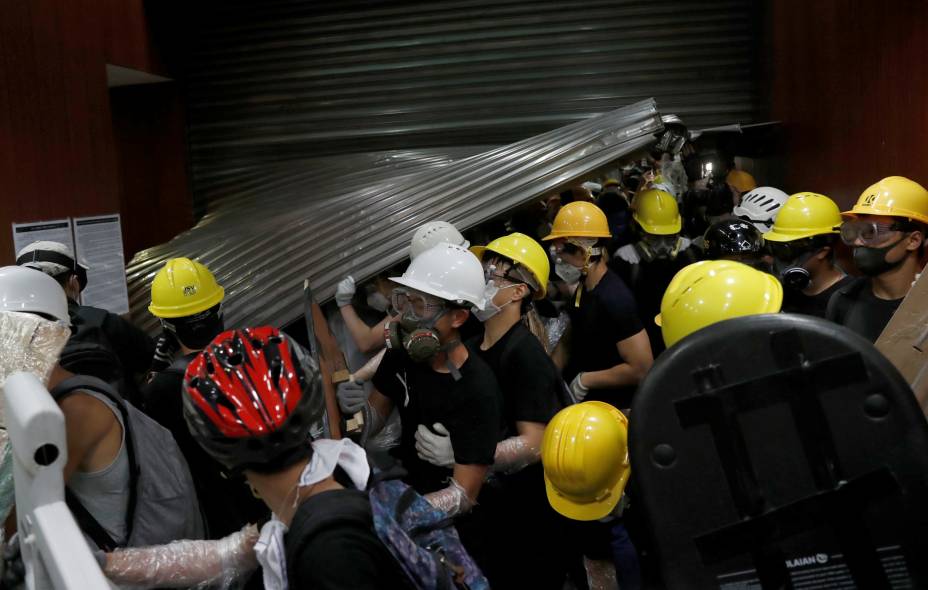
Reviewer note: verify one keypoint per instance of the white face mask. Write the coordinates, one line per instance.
(570, 273)
(491, 309)
(377, 300)
(327, 454)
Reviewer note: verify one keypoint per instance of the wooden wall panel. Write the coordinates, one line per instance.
(58, 154)
(850, 83)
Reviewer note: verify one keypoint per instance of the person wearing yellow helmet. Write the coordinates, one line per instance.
(648, 264)
(516, 268)
(586, 468)
(802, 242)
(739, 182)
(887, 229)
(608, 350)
(187, 300)
(710, 291)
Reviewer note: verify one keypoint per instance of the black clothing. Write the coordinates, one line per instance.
(856, 307)
(469, 408)
(600, 320)
(798, 302)
(331, 544)
(133, 346)
(648, 280)
(227, 504)
(526, 375)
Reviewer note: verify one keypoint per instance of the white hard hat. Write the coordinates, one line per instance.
(447, 271)
(432, 233)
(52, 258)
(760, 206)
(31, 291)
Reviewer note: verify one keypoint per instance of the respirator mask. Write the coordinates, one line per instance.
(415, 331)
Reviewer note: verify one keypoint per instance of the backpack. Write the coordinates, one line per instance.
(162, 500)
(422, 538)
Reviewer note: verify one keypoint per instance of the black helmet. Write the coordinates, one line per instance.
(732, 236)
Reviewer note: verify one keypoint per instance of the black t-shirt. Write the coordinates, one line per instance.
(648, 280)
(469, 408)
(331, 545)
(798, 302)
(605, 316)
(857, 308)
(227, 504)
(526, 375)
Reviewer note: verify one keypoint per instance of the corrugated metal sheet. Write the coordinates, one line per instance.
(272, 227)
(292, 79)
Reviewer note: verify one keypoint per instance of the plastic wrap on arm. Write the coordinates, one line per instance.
(514, 454)
(366, 373)
(182, 564)
(452, 500)
(555, 328)
(30, 343)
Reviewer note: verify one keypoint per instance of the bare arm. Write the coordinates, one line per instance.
(367, 339)
(381, 406)
(636, 350)
(471, 478)
(94, 435)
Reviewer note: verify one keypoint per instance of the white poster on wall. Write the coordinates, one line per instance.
(98, 242)
(58, 230)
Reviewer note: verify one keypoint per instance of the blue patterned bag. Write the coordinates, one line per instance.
(422, 539)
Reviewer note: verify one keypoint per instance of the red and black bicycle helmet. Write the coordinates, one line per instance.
(253, 400)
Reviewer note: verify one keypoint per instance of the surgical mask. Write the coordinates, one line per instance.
(872, 261)
(377, 300)
(490, 309)
(567, 271)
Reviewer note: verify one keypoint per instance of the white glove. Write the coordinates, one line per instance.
(351, 397)
(344, 293)
(434, 448)
(578, 389)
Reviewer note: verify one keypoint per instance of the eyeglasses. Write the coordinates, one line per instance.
(868, 232)
(416, 306)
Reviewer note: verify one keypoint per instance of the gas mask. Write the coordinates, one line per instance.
(654, 247)
(792, 274)
(872, 260)
(417, 337)
(198, 330)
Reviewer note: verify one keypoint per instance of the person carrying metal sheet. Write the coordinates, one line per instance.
(802, 241)
(516, 268)
(187, 300)
(431, 377)
(887, 230)
(371, 338)
(648, 264)
(102, 344)
(608, 347)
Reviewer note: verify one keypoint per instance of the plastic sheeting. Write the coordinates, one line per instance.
(263, 242)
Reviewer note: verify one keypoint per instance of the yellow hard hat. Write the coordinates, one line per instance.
(579, 220)
(610, 182)
(895, 196)
(182, 288)
(805, 215)
(710, 291)
(524, 250)
(657, 213)
(741, 180)
(585, 459)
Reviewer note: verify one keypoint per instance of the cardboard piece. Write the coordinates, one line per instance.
(904, 341)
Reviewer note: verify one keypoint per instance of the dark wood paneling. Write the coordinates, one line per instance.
(58, 154)
(849, 81)
(148, 122)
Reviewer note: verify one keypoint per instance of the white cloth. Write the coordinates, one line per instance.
(327, 455)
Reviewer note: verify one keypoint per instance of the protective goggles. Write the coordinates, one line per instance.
(789, 251)
(416, 306)
(870, 233)
(572, 246)
(513, 275)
